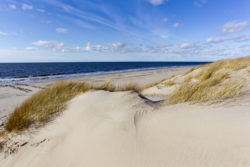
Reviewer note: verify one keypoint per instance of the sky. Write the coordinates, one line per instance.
(123, 30)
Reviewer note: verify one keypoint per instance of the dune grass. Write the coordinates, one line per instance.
(1, 146)
(47, 103)
(129, 87)
(108, 86)
(41, 107)
(213, 84)
(169, 83)
(212, 90)
(148, 86)
(188, 78)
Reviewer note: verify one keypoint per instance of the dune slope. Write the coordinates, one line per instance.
(101, 128)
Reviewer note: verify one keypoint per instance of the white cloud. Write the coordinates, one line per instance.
(176, 25)
(186, 45)
(241, 38)
(53, 45)
(88, 47)
(156, 2)
(27, 7)
(214, 40)
(3, 33)
(119, 47)
(200, 3)
(12, 6)
(61, 30)
(234, 26)
(30, 48)
(41, 10)
(165, 20)
(75, 49)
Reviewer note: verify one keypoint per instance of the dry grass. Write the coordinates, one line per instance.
(211, 90)
(169, 83)
(1, 146)
(108, 86)
(129, 87)
(41, 107)
(188, 78)
(148, 86)
(214, 82)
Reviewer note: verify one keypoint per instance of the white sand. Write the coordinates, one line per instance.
(120, 129)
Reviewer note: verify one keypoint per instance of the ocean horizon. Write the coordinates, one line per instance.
(23, 73)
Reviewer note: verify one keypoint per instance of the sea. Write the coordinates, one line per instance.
(23, 73)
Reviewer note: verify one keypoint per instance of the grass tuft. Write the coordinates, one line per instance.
(108, 86)
(129, 87)
(169, 83)
(1, 146)
(41, 107)
(188, 78)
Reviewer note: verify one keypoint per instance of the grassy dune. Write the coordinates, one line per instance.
(44, 105)
(213, 82)
(47, 103)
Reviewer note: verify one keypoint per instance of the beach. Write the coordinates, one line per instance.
(13, 95)
(114, 128)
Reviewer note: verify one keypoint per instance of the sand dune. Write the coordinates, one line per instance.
(100, 128)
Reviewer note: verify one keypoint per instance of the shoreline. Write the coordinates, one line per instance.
(11, 96)
(55, 77)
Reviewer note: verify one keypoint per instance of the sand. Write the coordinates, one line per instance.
(121, 129)
(14, 95)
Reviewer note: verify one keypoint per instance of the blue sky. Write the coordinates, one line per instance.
(123, 30)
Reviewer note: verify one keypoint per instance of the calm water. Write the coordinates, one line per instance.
(20, 73)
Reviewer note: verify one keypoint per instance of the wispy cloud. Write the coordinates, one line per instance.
(119, 47)
(12, 6)
(186, 45)
(215, 40)
(165, 19)
(242, 38)
(31, 48)
(234, 26)
(61, 30)
(156, 2)
(200, 3)
(3, 33)
(176, 25)
(90, 17)
(53, 45)
(40, 10)
(27, 7)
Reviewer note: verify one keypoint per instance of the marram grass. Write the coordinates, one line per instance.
(213, 82)
(44, 105)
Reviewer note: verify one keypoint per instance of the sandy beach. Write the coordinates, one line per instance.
(131, 129)
(14, 95)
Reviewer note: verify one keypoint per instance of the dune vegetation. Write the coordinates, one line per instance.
(49, 102)
(212, 83)
(44, 105)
